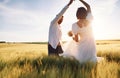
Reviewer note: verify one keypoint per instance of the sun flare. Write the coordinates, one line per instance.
(98, 28)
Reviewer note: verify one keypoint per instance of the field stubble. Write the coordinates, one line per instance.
(27, 61)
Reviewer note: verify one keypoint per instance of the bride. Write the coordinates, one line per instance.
(82, 47)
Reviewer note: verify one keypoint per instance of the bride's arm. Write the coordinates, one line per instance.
(76, 38)
(87, 5)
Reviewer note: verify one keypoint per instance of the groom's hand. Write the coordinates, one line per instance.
(71, 1)
(80, 0)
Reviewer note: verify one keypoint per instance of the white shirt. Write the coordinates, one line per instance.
(55, 29)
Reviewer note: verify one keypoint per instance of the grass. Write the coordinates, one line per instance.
(31, 61)
(110, 51)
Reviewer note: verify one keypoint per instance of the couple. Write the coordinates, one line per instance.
(82, 47)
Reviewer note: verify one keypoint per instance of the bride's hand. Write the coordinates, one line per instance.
(76, 38)
(70, 33)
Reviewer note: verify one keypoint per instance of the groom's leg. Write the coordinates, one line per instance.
(52, 51)
(59, 49)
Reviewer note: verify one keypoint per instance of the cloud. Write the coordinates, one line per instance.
(21, 36)
(22, 25)
(4, 1)
(104, 7)
(20, 20)
(24, 18)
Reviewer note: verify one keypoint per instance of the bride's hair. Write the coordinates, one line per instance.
(81, 13)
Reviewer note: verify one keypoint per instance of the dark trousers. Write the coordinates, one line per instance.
(52, 51)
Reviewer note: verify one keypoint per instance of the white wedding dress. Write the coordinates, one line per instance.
(85, 49)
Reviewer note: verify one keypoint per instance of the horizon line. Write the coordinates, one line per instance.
(62, 41)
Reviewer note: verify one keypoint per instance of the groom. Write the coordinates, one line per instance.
(54, 44)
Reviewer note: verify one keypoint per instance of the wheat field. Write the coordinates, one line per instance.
(24, 60)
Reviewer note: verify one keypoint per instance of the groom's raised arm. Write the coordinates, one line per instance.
(59, 15)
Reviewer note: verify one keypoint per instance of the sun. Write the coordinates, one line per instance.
(98, 27)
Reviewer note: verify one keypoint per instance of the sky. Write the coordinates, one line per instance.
(29, 20)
